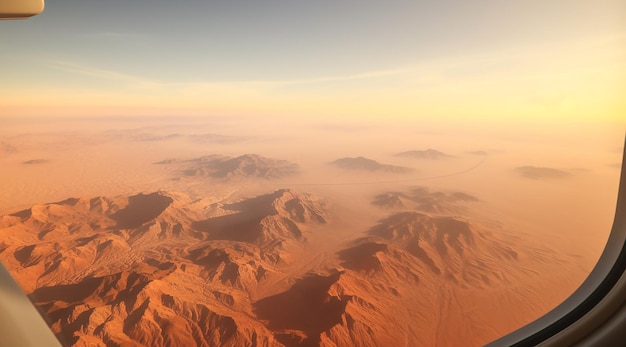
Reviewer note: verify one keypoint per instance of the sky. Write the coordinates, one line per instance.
(407, 60)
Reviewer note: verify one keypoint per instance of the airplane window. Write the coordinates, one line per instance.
(287, 173)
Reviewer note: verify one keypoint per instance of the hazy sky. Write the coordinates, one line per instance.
(538, 59)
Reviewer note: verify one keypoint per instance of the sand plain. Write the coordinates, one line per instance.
(243, 231)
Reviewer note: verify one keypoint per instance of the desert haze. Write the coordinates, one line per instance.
(183, 232)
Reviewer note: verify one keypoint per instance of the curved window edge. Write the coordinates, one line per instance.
(595, 314)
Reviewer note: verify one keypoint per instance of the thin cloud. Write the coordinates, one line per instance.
(106, 74)
(426, 74)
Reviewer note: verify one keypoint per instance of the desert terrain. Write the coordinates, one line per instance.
(257, 232)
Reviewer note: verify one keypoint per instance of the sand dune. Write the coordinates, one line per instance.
(365, 164)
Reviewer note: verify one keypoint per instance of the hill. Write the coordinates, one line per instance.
(243, 166)
(365, 164)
